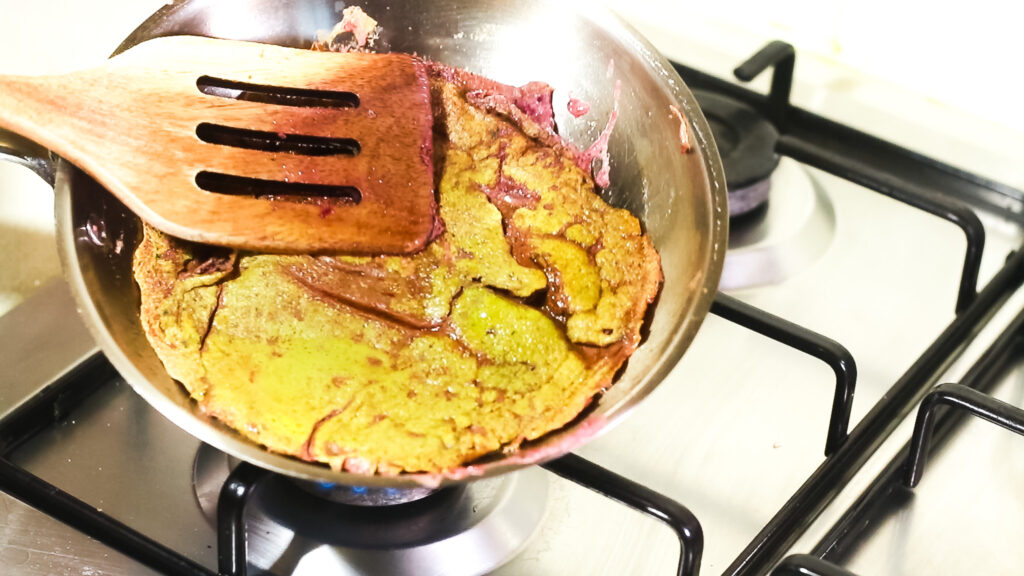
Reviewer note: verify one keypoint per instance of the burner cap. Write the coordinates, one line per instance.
(746, 143)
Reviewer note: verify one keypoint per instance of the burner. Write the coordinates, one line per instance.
(296, 528)
(787, 235)
(746, 143)
(363, 495)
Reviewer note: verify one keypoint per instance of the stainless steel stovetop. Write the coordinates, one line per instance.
(731, 435)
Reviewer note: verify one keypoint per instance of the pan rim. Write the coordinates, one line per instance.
(549, 447)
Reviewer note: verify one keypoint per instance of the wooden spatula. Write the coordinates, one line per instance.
(248, 145)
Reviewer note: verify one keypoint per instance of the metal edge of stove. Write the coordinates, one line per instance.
(48, 316)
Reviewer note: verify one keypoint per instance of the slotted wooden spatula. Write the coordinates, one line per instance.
(248, 145)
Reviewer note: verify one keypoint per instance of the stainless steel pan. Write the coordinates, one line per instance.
(579, 49)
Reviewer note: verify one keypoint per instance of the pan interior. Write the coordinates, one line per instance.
(679, 198)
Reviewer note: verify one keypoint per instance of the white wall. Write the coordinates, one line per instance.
(966, 55)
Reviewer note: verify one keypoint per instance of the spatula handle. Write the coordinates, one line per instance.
(135, 123)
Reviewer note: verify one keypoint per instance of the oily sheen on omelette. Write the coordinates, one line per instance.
(503, 329)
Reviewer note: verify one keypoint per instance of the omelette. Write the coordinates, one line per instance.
(504, 328)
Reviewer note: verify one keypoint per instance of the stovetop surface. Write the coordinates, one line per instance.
(731, 434)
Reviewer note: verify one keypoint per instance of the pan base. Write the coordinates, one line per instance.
(463, 530)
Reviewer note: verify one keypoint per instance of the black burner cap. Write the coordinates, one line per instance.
(746, 142)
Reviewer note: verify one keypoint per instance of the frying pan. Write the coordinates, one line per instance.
(580, 50)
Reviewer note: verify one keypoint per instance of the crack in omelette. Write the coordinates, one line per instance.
(503, 329)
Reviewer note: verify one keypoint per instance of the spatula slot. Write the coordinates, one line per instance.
(281, 95)
(276, 141)
(296, 191)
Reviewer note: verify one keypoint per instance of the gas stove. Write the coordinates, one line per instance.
(817, 425)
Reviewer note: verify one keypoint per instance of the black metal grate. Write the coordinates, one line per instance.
(807, 565)
(829, 351)
(908, 177)
(904, 470)
(642, 499)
